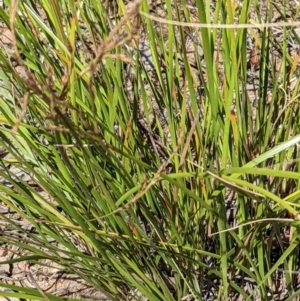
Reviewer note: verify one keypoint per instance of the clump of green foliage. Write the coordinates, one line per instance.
(131, 173)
